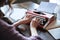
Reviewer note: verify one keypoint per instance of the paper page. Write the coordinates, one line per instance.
(47, 7)
(5, 9)
(18, 14)
(55, 33)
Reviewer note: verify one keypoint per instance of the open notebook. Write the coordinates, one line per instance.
(15, 14)
(18, 14)
(55, 33)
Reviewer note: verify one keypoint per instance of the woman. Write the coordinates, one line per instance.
(8, 32)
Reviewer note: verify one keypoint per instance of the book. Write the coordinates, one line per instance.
(47, 7)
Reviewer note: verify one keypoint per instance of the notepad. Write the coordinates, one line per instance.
(18, 13)
(55, 33)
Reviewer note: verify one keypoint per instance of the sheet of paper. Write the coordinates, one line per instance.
(47, 7)
(18, 14)
(55, 33)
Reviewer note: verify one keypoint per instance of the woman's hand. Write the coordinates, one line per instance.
(35, 22)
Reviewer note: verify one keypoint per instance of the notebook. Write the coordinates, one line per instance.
(55, 33)
(17, 14)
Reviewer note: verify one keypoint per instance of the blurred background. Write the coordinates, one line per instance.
(36, 1)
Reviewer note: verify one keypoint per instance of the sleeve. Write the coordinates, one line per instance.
(8, 32)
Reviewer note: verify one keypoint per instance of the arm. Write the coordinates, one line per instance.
(34, 34)
(33, 26)
(25, 20)
(11, 33)
(22, 21)
(33, 31)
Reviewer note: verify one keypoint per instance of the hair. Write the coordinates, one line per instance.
(5, 2)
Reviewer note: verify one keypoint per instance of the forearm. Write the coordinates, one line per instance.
(22, 21)
(34, 34)
(33, 30)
